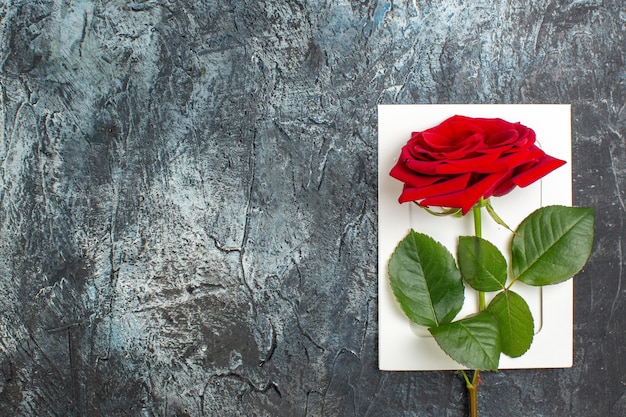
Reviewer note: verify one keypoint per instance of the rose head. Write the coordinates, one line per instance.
(464, 159)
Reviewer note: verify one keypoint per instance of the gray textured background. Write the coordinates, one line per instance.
(188, 216)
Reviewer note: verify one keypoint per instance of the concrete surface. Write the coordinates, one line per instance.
(188, 199)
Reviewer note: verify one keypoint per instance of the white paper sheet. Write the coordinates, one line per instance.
(404, 346)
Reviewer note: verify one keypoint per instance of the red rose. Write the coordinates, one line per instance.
(463, 159)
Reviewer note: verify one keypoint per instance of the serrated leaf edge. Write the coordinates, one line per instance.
(528, 267)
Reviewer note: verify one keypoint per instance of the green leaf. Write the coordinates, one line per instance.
(515, 322)
(425, 280)
(473, 342)
(481, 263)
(552, 244)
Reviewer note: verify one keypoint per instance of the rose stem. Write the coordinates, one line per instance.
(478, 226)
(473, 394)
(472, 387)
(472, 390)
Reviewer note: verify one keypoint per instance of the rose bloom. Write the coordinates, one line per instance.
(464, 159)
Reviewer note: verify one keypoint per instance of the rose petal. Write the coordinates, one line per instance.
(423, 167)
(502, 138)
(465, 199)
(460, 125)
(408, 155)
(492, 125)
(443, 187)
(437, 141)
(411, 178)
(419, 148)
(504, 188)
(512, 160)
(543, 167)
(473, 145)
(527, 136)
(476, 164)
